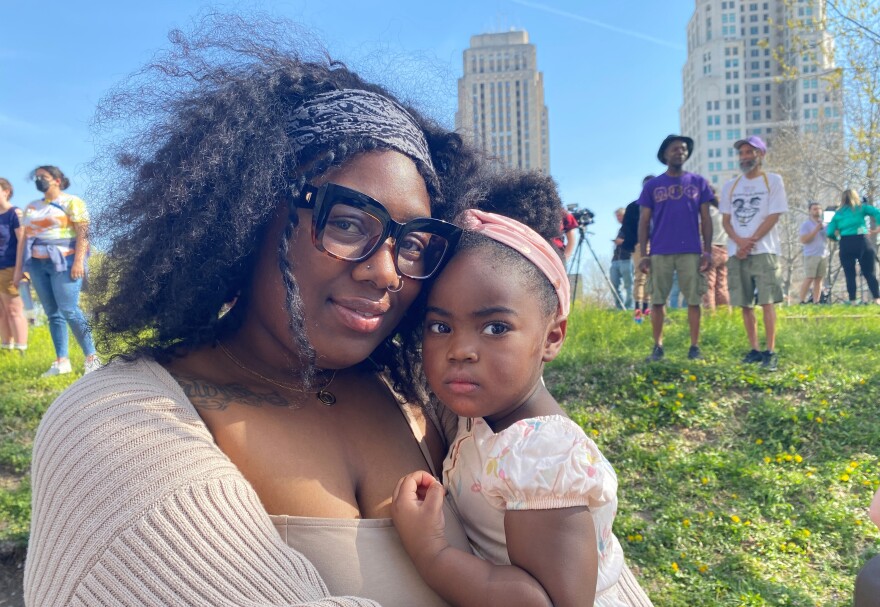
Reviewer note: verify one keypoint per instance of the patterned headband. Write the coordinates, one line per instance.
(527, 242)
(352, 112)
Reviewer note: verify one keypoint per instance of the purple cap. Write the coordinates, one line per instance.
(754, 141)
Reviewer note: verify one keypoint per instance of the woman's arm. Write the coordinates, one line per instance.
(554, 553)
(78, 270)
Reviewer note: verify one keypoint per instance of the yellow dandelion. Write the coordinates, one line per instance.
(735, 518)
(767, 459)
(806, 533)
(680, 395)
(798, 458)
(594, 432)
(823, 402)
(639, 537)
(747, 523)
(703, 568)
(678, 403)
(844, 477)
(759, 441)
(704, 480)
(818, 420)
(674, 566)
(692, 377)
(809, 473)
(858, 522)
(862, 381)
(686, 522)
(788, 457)
(854, 464)
(711, 514)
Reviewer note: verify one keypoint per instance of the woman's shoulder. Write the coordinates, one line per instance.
(114, 417)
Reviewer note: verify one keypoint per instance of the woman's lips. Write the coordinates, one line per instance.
(363, 316)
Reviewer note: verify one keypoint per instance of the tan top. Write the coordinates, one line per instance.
(134, 504)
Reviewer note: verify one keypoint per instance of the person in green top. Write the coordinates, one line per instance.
(848, 226)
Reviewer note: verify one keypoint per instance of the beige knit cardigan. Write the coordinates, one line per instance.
(134, 504)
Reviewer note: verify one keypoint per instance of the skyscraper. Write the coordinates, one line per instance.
(734, 86)
(501, 100)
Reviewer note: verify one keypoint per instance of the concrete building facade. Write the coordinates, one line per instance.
(734, 86)
(501, 101)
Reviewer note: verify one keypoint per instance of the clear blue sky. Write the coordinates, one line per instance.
(612, 75)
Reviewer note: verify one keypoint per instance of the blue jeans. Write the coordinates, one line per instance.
(622, 271)
(59, 294)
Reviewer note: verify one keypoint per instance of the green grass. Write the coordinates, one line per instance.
(737, 487)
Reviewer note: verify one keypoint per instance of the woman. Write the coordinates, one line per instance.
(848, 226)
(223, 456)
(54, 253)
(13, 324)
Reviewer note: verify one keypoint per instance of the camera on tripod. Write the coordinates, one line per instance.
(584, 217)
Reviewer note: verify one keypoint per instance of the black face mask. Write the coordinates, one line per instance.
(42, 184)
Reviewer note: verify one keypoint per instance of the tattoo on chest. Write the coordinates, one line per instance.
(206, 395)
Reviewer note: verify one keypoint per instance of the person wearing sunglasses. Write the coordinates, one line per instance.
(268, 231)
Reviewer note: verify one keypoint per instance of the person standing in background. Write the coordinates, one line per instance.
(716, 275)
(621, 266)
(13, 324)
(675, 218)
(640, 279)
(54, 254)
(815, 240)
(751, 205)
(848, 225)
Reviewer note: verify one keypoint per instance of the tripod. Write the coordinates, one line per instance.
(576, 263)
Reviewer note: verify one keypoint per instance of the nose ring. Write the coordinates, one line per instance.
(399, 286)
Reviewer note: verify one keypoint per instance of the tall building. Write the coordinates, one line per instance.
(501, 100)
(735, 87)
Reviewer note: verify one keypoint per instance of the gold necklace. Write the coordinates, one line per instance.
(323, 395)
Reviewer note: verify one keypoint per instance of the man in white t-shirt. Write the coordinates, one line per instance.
(815, 240)
(751, 205)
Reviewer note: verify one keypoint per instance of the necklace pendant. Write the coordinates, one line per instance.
(326, 397)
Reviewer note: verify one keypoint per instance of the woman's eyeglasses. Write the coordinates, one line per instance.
(352, 226)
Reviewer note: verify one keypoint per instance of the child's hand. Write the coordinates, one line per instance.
(417, 512)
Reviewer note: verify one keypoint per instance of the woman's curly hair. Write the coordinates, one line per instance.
(530, 197)
(190, 194)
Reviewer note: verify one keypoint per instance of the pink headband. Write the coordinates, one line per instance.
(527, 242)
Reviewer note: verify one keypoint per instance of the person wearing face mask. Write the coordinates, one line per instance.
(54, 253)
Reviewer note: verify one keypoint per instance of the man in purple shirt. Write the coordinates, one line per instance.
(674, 215)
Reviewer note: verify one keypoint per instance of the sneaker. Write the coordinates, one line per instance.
(656, 354)
(754, 356)
(694, 353)
(58, 368)
(93, 363)
(646, 312)
(638, 316)
(770, 360)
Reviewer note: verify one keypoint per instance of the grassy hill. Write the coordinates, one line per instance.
(737, 487)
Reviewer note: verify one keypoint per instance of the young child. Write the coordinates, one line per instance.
(536, 496)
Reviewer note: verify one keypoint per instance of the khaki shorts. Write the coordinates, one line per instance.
(691, 282)
(6, 286)
(815, 266)
(755, 279)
